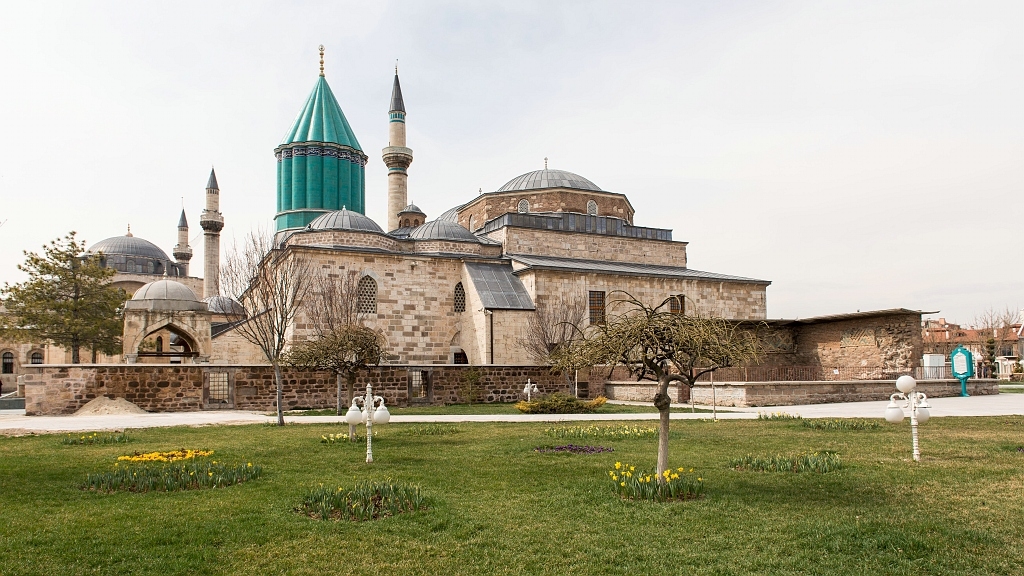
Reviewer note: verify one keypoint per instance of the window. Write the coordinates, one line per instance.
(677, 304)
(460, 298)
(36, 358)
(524, 206)
(159, 343)
(419, 385)
(8, 363)
(470, 223)
(596, 307)
(592, 208)
(460, 358)
(367, 295)
(218, 387)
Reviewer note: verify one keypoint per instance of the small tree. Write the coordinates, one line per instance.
(270, 284)
(345, 351)
(553, 327)
(67, 300)
(657, 344)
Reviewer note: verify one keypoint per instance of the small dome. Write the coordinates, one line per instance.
(129, 246)
(540, 179)
(412, 209)
(165, 295)
(450, 215)
(224, 305)
(344, 220)
(442, 230)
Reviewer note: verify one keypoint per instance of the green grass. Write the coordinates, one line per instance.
(496, 408)
(494, 506)
(1008, 390)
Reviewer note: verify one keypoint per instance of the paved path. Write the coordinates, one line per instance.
(13, 422)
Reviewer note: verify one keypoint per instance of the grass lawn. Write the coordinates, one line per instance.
(497, 507)
(500, 408)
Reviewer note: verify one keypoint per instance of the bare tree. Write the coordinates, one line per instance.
(657, 344)
(556, 324)
(995, 332)
(341, 342)
(271, 285)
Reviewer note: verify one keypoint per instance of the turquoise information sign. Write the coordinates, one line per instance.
(963, 366)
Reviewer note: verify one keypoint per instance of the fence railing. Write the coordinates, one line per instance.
(820, 373)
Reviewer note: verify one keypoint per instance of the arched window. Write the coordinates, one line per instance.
(470, 223)
(8, 363)
(151, 266)
(460, 298)
(367, 295)
(592, 208)
(129, 266)
(405, 223)
(36, 358)
(524, 206)
(676, 304)
(159, 343)
(415, 221)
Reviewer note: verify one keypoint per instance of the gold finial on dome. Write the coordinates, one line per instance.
(129, 234)
(545, 162)
(321, 59)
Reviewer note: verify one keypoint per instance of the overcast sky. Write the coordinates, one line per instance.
(859, 155)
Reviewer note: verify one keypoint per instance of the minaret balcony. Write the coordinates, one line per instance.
(211, 221)
(397, 156)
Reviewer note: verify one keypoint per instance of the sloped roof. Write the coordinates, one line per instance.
(625, 268)
(321, 120)
(540, 179)
(498, 287)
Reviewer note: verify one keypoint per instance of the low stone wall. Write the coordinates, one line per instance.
(63, 389)
(747, 394)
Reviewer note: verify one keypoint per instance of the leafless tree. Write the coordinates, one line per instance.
(554, 325)
(271, 284)
(995, 332)
(333, 301)
(655, 343)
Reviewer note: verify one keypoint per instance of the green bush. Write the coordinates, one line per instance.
(367, 501)
(559, 403)
(825, 461)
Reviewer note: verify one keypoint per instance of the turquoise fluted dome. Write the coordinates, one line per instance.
(320, 165)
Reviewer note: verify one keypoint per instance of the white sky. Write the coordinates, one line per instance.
(858, 155)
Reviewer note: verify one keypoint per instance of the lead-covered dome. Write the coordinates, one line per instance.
(442, 230)
(129, 246)
(224, 305)
(344, 220)
(540, 179)
(166, 295)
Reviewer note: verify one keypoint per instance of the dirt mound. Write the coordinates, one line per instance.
(103, 405)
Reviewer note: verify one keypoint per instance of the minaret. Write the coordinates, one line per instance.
(182, 251)
(397, 157)
(212, 223)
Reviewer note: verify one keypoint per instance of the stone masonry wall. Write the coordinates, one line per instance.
(181, 388)
(528, 241)
(879, 344)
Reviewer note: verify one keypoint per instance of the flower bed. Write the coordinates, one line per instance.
(630, 483)
(171, 456)
(620, 432)
(171, 477)
(841, 424)
(95, 438)
(573, 449)
(366, 501)
(822, 462)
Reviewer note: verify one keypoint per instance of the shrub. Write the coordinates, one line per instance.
(840, 424)
(171, 477)
(171, 456)
(777, 416)
(573, 449)
(632, 484)
(367, 501)
(620, 432)
(95, 438)
(558, 403)
(343, 438)
(826, 461)
(433, 430)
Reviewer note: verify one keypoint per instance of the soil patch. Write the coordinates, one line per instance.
(102, 406)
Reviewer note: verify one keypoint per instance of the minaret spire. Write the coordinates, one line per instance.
(212, 223)
(182, 251)
(396, 156)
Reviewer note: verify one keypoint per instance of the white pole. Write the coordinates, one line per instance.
(913, 424)
(714, 402)
(368, 409)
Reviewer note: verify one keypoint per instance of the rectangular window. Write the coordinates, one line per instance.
(677, 304)
(218, 387)
(419, 384)
(596, 307)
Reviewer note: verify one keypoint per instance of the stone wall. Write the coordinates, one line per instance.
(488, 206)
(890, 343)
(590, 246)
(180, 388)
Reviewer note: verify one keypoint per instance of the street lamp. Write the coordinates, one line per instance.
(368, 415)
(530, 389)
(916, 401)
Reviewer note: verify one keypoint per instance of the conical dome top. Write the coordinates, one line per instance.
(397, 103)
(321, 120)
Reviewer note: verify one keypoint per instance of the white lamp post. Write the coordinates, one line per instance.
(530, 389)
(916, 401)
(368, 415)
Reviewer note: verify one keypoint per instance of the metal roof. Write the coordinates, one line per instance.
(575, 222)
(182, 222)
(129, 246)
(450, 215)
(211, 184)
(625, 268)
(412, 209)
(344, 220)
(224, 305)
(540, 179)
(165, 290)
(321, 120)
(442, 230)
(498, 287)
(848, 316)
(397, 104)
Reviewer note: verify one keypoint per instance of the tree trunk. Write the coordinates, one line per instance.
(351, 394)
(341, 404)
(280, 393)
(75, 357)
(662, 403)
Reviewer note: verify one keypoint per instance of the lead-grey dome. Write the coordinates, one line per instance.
(129, 246)
(224, 305)
(540, 179)
(344, 220)
(165, 295)
(442, 230)
(412, 209)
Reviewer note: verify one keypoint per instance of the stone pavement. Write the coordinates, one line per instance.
(13, 422)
